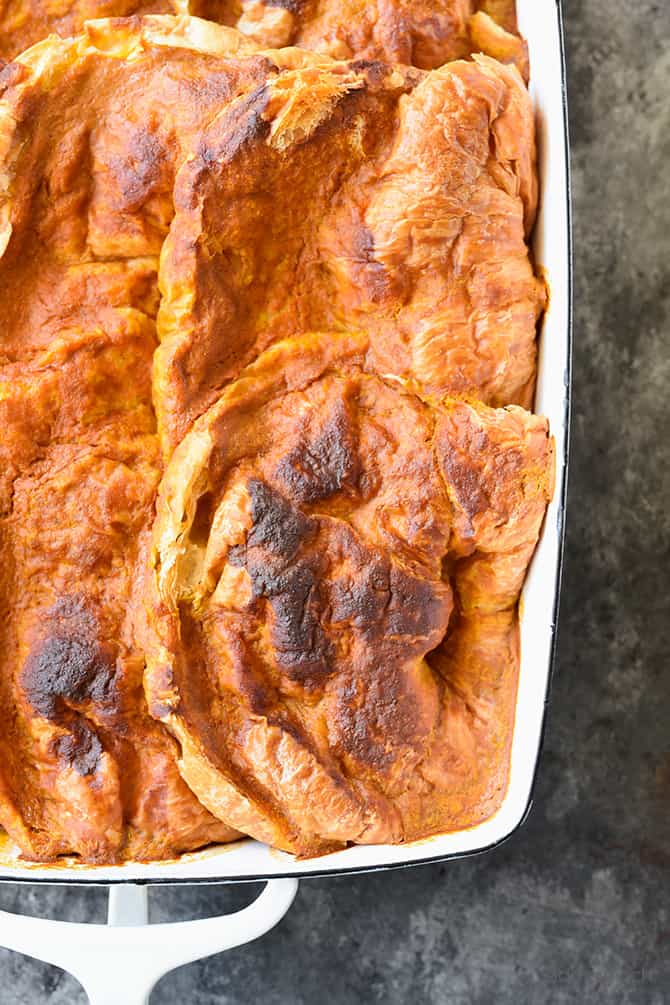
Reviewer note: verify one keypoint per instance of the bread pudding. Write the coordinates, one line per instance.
(269, 481)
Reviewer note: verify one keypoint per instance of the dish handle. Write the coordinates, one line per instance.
(122, 960)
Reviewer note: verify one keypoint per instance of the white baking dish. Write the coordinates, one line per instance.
(540, 23)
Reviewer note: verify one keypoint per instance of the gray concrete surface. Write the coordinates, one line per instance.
(576, 908)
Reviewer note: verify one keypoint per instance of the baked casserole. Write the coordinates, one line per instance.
(269, 478)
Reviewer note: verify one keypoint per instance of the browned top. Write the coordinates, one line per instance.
(320, 533)
(84, 768)
(283, 193)
(296, 194)
(356, 195)
(420, 33)
(417, 32)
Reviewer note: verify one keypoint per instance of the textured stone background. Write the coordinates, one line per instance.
(576, 907)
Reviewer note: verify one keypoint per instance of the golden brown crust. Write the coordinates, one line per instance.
(399, 203)
(257, 195)
(403, 214)
(298, 586)
(89, 772)
(415, 32)
(86, 771)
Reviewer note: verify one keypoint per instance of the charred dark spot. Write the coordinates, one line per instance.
(363, 600)
(277, 526)
(316, 470)
(69, 664)
(80, 748)
(68, 667)
(296, 633)
(64, 670)
(289, 583)
(242, 125)
(301, 647)
(383, 601)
